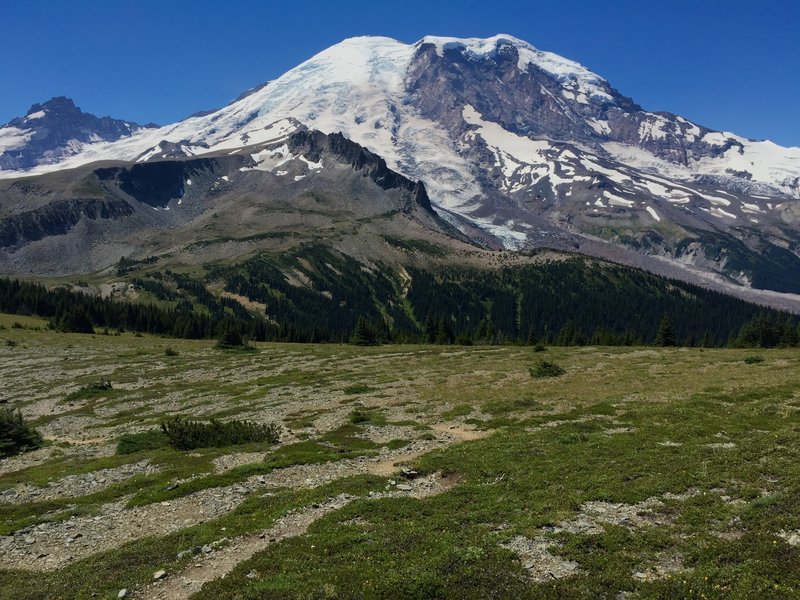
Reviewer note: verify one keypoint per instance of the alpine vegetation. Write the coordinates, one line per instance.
(184, 434)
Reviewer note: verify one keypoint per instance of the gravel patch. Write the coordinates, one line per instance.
(77, 485)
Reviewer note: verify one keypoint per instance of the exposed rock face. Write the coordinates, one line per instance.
(312, 144)
(57, 218)
(156, 183)
(528, 103)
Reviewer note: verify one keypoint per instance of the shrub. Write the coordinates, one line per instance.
(187, 435)
(100, 385)
(75, 321)
(463, 339)
(232, 340)
(546, 369)
(359, 416)
(96, 388)
(751, 360)
(364, 334)
(170, 351)
(147, 440)
(365, 415)
(539, 348)
(15, 434)
(358, 388)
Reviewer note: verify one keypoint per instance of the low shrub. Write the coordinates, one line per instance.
(170, 351)
(147, 440)
(362, 415)
(546, 369)
(243, 347)
(184, 434)
(15, 434)
(96, 388)
(358, 388)
(359, 416)
(539, 348)
(233, 340)
(751, 360)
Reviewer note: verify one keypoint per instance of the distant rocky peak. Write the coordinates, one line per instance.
(55, 129)
(58, 104)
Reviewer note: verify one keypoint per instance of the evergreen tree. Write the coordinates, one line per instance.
(707, 342)
(444, 334)
(566, 337)
(464, 339)
(480, 333)
(231, 337)
(430, 330)
(364, 334)
(789, 337)
(665, 335)
(76, 321)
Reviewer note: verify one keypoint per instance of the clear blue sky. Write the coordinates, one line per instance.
(728, 64)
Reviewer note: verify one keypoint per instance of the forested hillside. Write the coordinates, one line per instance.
(316, 294)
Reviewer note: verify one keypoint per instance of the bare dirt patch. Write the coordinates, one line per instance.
(663, 566)
(535, 556)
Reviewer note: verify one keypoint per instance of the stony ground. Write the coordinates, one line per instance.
(401, 472)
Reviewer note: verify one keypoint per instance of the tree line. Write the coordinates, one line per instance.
(318, 295)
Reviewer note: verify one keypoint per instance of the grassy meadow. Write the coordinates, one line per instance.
(636, 473)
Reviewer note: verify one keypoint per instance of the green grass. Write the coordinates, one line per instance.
(138, 442)
(525, 481)
(95, 389)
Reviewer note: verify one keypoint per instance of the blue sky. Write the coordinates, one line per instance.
(727, 64)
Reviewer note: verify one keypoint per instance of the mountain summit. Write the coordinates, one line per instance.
(527, 147)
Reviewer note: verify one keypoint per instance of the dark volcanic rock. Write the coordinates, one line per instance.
(313, 144)
(57, 218)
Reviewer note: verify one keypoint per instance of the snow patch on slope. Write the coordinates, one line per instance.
(522, 160)
(766, 165)
(13, 137)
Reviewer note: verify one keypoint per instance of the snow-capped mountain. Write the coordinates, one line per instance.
(54, 131)
(525, 144)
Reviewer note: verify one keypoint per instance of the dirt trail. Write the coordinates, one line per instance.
(461, 432)
(219, 564)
